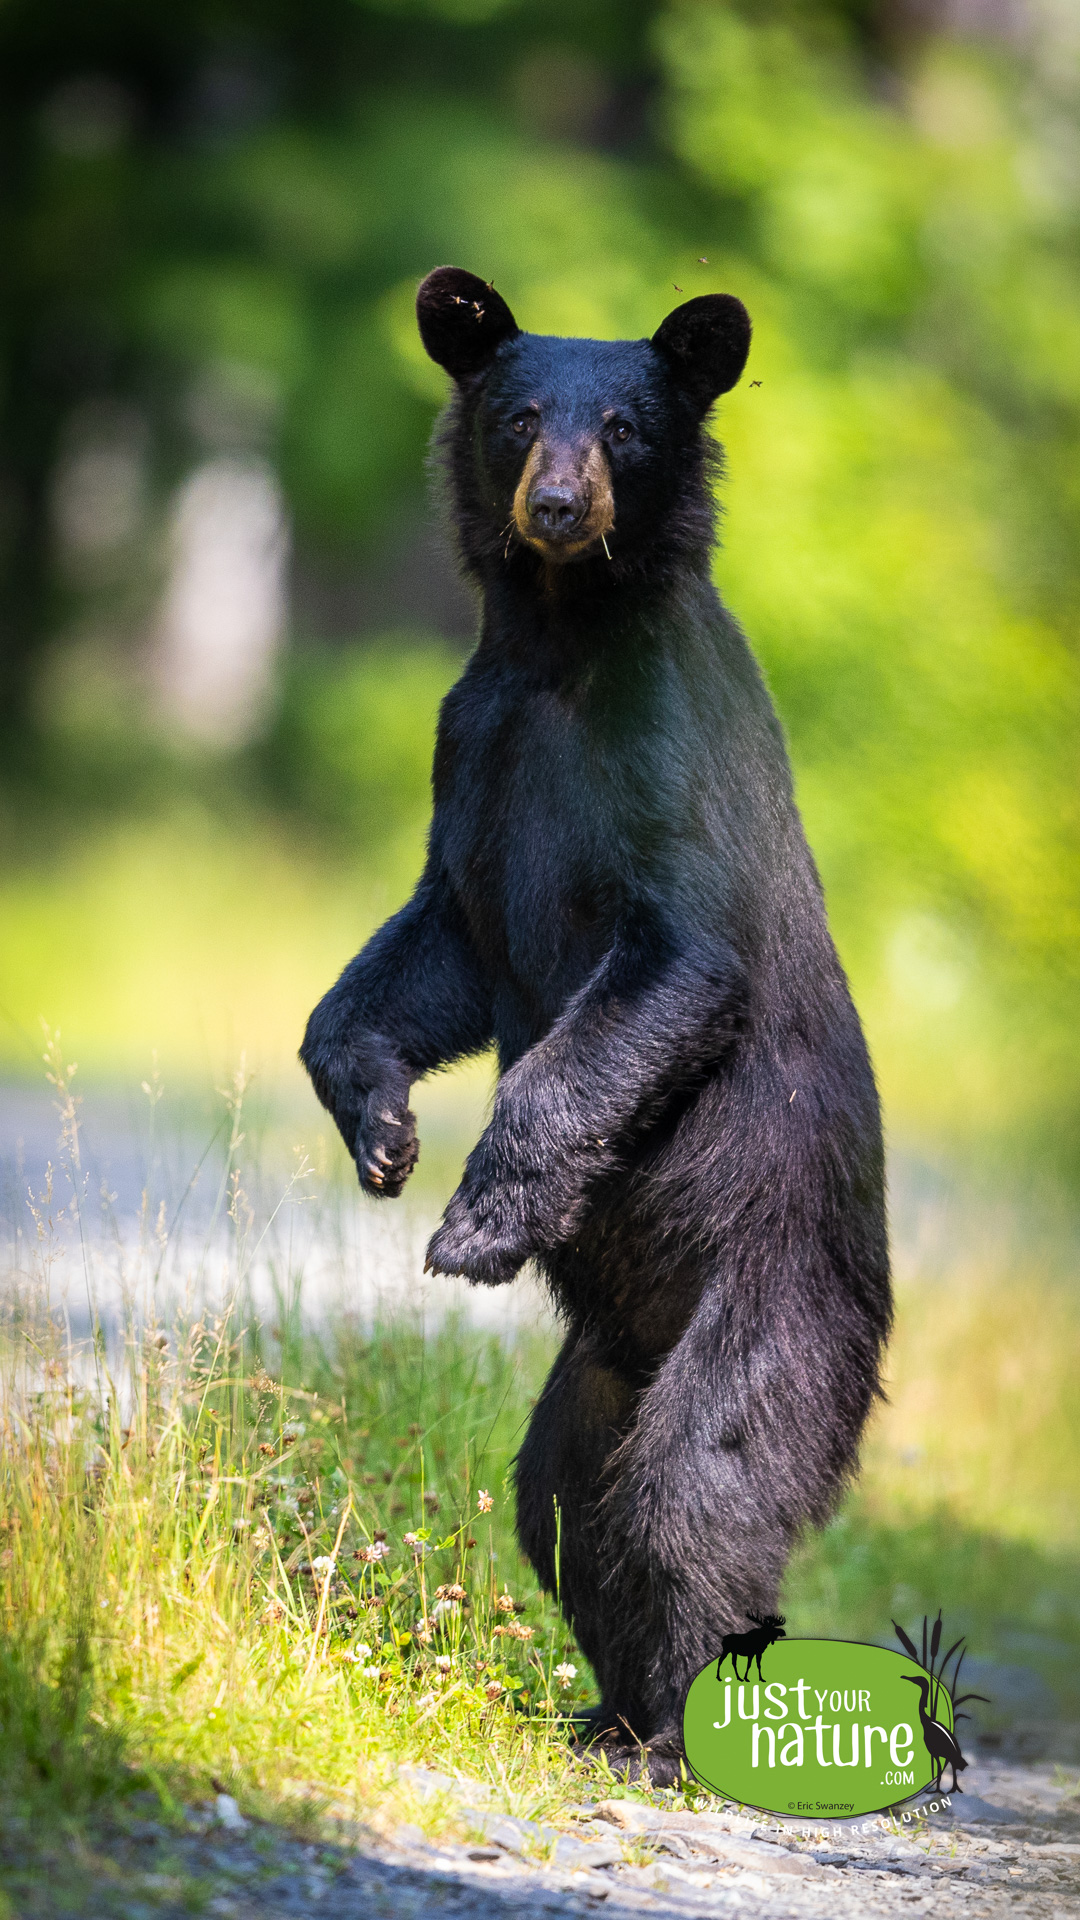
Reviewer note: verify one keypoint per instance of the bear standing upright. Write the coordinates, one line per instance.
(685, 1135)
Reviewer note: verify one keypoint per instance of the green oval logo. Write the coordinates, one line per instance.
(825, 1728)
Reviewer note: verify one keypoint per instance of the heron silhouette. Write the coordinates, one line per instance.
(941, 1744)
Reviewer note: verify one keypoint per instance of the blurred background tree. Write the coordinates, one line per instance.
(228, 614)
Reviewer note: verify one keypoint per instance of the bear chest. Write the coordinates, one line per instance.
(548, 826)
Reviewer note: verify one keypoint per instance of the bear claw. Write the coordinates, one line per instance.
(383, 1161)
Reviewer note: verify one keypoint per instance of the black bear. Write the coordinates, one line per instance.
(685, 1134)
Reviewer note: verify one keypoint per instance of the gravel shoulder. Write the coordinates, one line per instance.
(1009, 1844)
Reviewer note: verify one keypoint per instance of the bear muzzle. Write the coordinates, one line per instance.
(563, 504)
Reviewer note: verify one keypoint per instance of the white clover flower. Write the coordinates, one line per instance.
(378, 1550)
(371, 1673)
(362, 1652)
(323, 1565)
(484, 1500)
(443, 1662)
(564, 1673)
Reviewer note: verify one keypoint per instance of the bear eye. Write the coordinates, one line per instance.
(621, 430)
(522, 422)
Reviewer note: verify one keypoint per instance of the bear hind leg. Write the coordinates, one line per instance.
(582, 1416)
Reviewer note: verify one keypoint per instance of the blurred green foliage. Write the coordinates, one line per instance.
(237, 201)
(911, 475)
(352, 744)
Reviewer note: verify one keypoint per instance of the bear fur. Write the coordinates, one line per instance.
(685, 1136)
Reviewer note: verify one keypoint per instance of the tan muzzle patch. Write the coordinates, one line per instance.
(588, 472)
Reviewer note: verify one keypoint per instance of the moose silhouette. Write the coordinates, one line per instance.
(750, 1646)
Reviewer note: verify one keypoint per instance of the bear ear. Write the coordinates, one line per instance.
(705, 343)
(462, 320)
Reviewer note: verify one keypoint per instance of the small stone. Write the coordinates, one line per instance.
(228, 1814)
(408, 1836)
(631, 1815)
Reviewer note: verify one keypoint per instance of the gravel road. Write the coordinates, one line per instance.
(1010, 1844)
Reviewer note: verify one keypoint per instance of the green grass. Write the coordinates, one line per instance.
(277, 1558)
(282, 1556)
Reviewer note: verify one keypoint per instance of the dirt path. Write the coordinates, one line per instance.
(1010, 1844)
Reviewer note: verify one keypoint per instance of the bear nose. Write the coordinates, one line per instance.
(556, 508)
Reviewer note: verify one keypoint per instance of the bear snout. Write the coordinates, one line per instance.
(555, 509)
(563, 504)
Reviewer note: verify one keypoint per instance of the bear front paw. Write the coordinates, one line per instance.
(479, 1240)
(385, 1146)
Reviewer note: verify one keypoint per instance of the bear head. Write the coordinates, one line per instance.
(578, 450)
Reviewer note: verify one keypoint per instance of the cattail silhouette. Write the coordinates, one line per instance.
(941, 1744)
